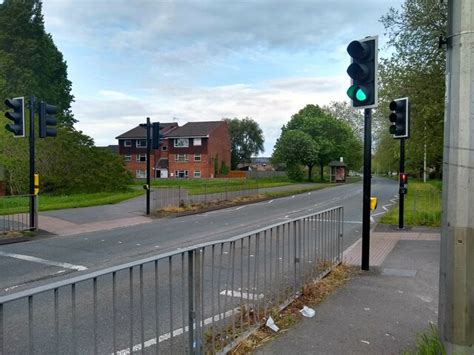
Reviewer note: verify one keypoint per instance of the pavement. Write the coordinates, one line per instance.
(380, 311)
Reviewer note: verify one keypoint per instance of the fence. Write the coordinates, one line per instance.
(197, 300)
(15, 213)
(178, 196)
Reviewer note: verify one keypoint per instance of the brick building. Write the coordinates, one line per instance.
(189, 151)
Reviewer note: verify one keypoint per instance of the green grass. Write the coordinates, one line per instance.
(203, 186)
(20, 204)
(422, 205)
(428, 344)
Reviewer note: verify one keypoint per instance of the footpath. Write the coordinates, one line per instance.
(380, 311)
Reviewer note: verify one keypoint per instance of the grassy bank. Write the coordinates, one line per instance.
(20, 204)
(422, 205)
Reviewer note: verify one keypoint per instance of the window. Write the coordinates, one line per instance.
(127, 158)
(181, 174)
(197, 157)
(141, 157)
(181, 142)
(141, 143)
(164, 148)
(197, 173)
(127, 143)
(181, 157)
(197, 141)
(140, 174)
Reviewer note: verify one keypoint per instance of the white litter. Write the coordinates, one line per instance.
(367, 309)
(365, 341)
(307, 312)
(271, 324)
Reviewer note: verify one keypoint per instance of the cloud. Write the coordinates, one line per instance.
(270, 104)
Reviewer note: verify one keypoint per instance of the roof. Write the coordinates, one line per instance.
(260, 160)
(195, 129)
(337, 163)
(140, 131)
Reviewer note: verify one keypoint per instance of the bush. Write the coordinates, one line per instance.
(295, 173)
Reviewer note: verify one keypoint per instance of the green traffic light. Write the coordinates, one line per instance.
(355, 92)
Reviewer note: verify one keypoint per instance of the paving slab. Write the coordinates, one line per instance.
(376, 312)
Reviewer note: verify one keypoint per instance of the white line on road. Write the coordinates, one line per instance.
(372, 220)
(176, 332)
(239, 208)
(43, 261)
(271, 201)
(378, 214)
(243, 295)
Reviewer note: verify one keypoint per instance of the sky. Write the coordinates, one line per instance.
(190, 60)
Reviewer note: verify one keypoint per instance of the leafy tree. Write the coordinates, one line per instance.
(416, 69)
(343, 111)
(333, 137)
(246, 139)
(30, 63)
(296, 147)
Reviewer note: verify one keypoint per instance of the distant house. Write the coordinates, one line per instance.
(189, 151)
(257, 164)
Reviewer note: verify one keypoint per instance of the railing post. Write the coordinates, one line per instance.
(192, 314)
(198, 300)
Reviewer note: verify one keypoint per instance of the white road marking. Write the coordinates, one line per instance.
(43, 261)
(239, 208)
(176, 333)
(10, 288)
(378, 214)
(372, 220)
(243, 295)
(271, 201)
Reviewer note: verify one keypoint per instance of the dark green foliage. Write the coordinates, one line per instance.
(332, 138)
(246, 140)
(216, 165)
(416, 69)
(30, 64)
(224, 169)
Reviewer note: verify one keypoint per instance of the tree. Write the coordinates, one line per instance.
(416, 69)
(30, 63)
(333, 137)
(296, 147)
(246, 140)
(343, 111)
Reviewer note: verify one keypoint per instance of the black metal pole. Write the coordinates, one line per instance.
(401, 203)
(148, 153)
(366, 191)
(32, 162)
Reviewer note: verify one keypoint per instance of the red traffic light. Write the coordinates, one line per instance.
(404, 178)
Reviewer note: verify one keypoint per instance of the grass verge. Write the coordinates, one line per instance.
(422, 206)
(312, 295)
(20, 204)
(202, 206)
(428, 343)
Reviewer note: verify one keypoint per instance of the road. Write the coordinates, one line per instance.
(42, 261)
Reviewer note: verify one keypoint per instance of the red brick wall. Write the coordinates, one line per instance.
(219, 143)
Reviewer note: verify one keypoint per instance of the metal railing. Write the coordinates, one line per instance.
(179, 196)
(15, 213)
(196, 300)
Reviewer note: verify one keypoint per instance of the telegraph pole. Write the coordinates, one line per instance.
(456, 291)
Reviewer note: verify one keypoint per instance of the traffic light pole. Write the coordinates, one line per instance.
(401, 201)
(366, 191)
(148, 153)
(31, 107)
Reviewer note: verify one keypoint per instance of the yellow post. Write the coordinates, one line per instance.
(37, 183)
(373, 203)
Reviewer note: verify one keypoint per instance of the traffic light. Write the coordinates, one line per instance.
(404, 178)
(400, 118)
(47, 118)
(156, 135)
(17, 116)
(363, 71)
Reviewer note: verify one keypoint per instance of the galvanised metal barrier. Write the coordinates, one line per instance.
(15, 213)
(195, 300)
(178, 196)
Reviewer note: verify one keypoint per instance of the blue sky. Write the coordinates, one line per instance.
(205, 60)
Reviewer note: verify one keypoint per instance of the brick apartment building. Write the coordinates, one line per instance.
(185, 152)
